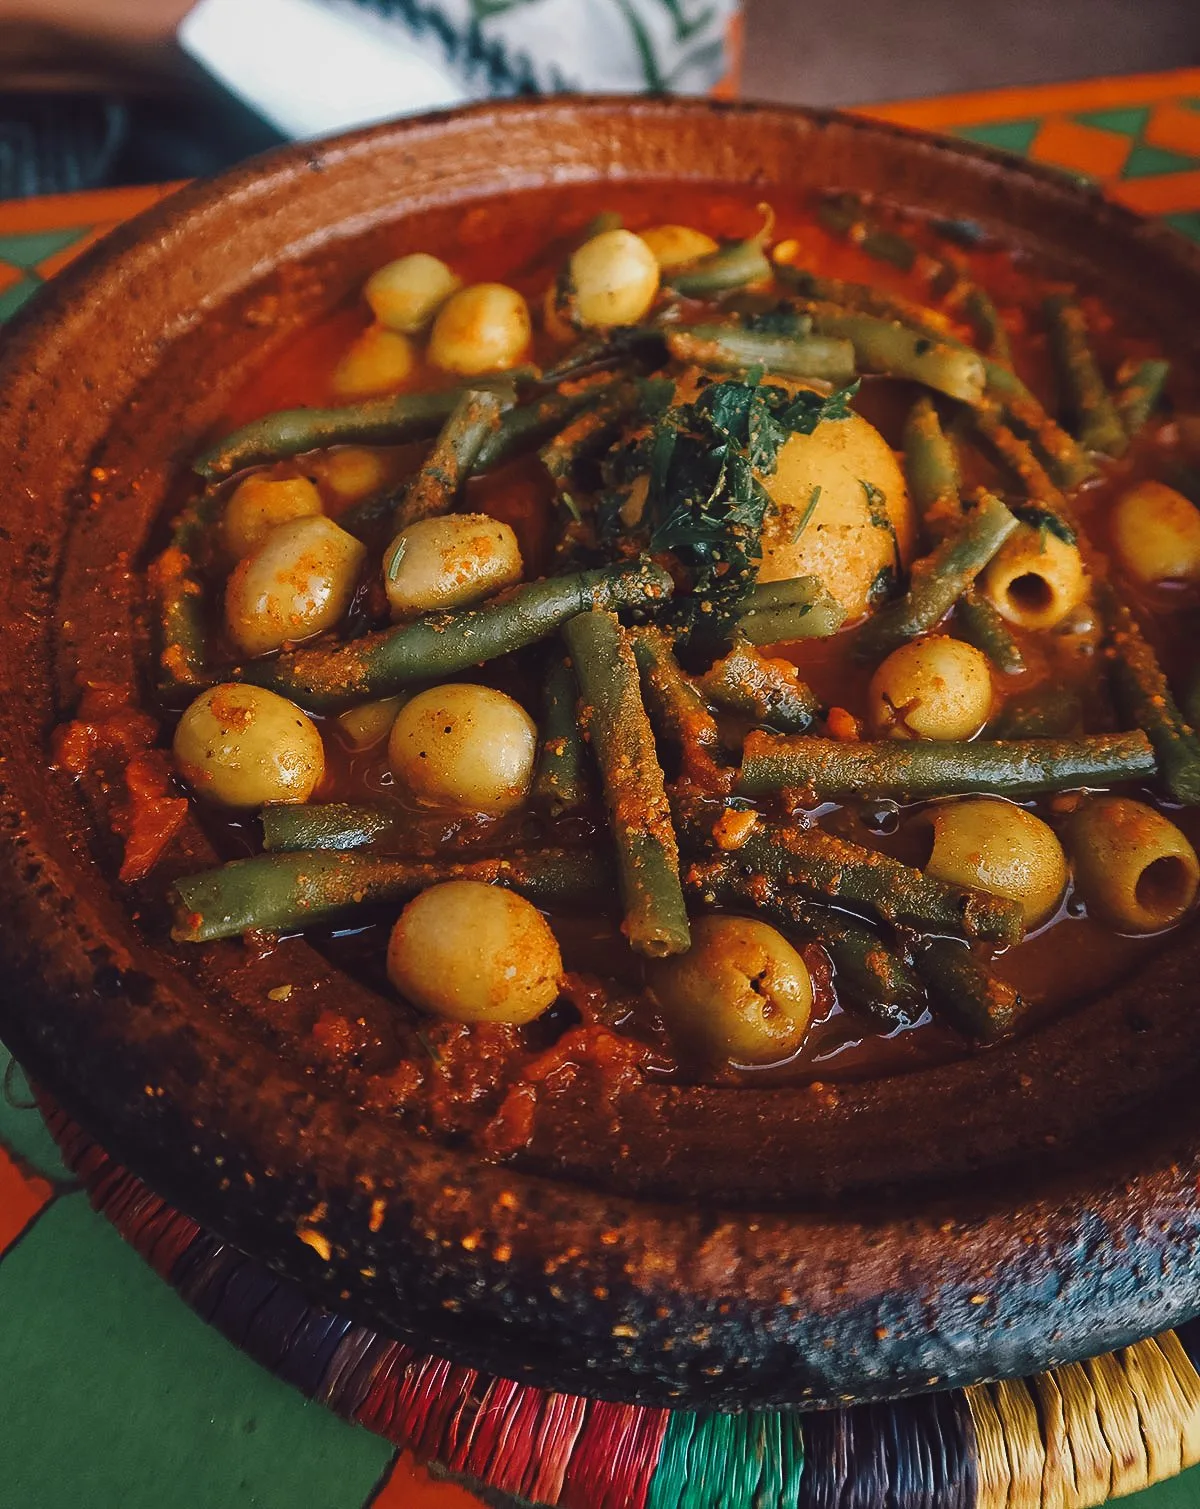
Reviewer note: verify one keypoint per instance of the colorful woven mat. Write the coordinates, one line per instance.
(1066, 1439)
(117, 1396)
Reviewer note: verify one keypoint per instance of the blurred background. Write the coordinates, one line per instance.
(106, 92)
(857, 51)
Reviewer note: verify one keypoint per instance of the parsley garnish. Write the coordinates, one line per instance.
(810, 508)
(706, 503)
(877, 511)
(1044, 521)
(876, 504)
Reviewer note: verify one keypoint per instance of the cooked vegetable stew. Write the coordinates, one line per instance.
(753, 648)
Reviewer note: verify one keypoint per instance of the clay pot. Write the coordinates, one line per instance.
(1023, 1207)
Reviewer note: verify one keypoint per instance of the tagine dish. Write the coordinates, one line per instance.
(602, 759)
(753, 648)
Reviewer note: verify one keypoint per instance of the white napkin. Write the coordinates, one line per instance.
(312, 67)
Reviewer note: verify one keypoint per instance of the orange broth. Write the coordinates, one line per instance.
(524, 241)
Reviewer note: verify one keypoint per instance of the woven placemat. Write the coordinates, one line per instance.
(1067, 1439)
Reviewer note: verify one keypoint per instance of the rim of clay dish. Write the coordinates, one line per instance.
(1023, 1208)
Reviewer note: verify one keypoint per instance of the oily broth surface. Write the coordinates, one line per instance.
(522, 240)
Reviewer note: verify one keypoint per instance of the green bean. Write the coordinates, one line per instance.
(989, 327)
(291, 826)
(175, 577)
(283, 893)
(822, 867)
(937, 581)
(931, 469)
(846, 215)
(439, 645)
(1062, 455)
(587, 432)
(982, 626)
(1050, 711)
(560, 782)
(787, 592)
(613, 348)
(1068, 463)
(1139, 393)
(799, 608)
(1017, 458)
(898, 351)
(769, 691)
(443, 474)
(730, 266)
(728, 348)
(863, 298)
(678, 713)
(615, 722)
(585, 437)
(934, 480)
(833, 770)
(530, 424)
(1015, 455)
(378, 421)
(1144, 699)
(868, 975)
(962, 986)
(1097, 424)
(492, 444)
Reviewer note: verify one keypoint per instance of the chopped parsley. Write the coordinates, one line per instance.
(1044, 520)
(810, 508)
(706, 503)
(877, 511)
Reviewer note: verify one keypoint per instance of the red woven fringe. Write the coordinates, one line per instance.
(551, 1448)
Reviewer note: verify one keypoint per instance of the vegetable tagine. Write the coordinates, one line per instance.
(741, 651)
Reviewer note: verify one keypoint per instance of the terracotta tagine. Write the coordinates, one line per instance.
(1023, 1207)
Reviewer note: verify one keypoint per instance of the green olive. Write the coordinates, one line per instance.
(298, 582)
(242, 747)
(741, 993)
(1156, 534)
(474, 953)
(449, 562)
(614, 278)
(482, 328)
(995, 846)
(351, 471)
(1035, 579)
(1134, 868)
(465, 747)
(677, 245)
(406, 294)
(935, 688)
(260, 504)
(379, 361)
